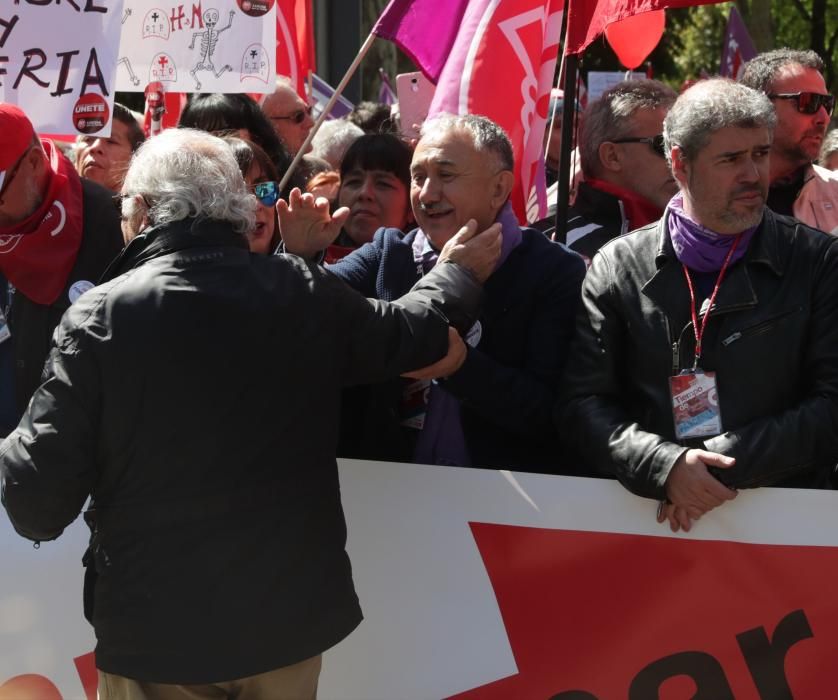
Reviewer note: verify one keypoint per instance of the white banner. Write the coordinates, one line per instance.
(494, 585)
(198, 45)
(57, 62)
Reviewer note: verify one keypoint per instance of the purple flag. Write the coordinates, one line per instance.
(737, 48)
(424, 29)
(386, 94)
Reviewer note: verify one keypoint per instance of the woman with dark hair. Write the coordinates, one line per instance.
(237, 115)
(375, 185)
(260, 176)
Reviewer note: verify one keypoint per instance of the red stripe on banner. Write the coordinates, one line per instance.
(596, 616)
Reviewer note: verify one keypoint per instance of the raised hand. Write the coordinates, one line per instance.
(306, 225)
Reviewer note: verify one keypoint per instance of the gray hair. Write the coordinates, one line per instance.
(830, 146)
(710, 105)
(333, 139)
(609, 117)
(486, 136)
(760, 71)
(188, 174)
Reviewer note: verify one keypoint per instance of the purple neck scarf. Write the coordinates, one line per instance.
(699, 248)
(441, 440)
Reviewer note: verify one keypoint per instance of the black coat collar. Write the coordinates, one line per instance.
(170, 238)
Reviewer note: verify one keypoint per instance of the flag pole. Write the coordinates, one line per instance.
(570, 63)
(328, 108)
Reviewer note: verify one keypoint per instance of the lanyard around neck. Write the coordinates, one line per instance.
(698, 325)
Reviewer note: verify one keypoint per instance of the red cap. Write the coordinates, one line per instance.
(16, 134)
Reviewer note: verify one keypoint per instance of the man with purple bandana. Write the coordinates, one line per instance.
(493, 406)
(706, 356)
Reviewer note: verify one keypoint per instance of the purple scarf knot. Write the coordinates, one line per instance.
(697, 247)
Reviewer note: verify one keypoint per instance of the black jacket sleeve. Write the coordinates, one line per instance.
(48, 463)
(385, 339)
(805, 436)
(591, 416)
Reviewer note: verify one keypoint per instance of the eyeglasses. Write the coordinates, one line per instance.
(11, 176)
(654, 142)
(266, 192)
(297, 117)
(807, 102)
(120, 197)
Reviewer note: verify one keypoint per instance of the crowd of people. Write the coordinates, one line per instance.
(190, 346)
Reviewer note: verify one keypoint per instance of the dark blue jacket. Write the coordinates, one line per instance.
(508, 384)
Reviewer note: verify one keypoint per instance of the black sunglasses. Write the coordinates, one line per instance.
(297, 117)
(654, 142)
(807, 102)
(266, 192)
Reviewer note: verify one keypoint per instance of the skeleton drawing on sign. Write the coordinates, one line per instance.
(209, 40)
(125, 61)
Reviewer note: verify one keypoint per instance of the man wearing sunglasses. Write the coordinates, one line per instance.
(793, 81)
(627, 181)
(290, 116)
(58, 232)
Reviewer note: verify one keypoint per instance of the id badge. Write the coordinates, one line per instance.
(414, 403)
(695, 404)
(5, 333)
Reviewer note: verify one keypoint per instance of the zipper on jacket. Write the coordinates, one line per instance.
(676, 348)
(759, 327)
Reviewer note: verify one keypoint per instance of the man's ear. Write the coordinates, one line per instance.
(502, 188)
(679, 165)
(610, 156)
(37, 160)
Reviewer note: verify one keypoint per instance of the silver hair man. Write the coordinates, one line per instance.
(709, 106)
(182, 174)
(610, 118)
(333, 139)
(486, 136)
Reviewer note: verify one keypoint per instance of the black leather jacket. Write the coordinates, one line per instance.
(196, 398)
(772, 340)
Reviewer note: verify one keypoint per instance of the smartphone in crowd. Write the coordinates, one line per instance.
(415, 93)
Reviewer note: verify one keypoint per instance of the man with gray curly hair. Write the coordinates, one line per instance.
(705, 358)
(627, 181)
(194, 397)
(793, 81)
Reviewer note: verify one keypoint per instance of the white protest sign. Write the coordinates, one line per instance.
(198, 45)
(57, 62)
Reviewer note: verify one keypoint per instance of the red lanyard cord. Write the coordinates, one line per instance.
(699, 326)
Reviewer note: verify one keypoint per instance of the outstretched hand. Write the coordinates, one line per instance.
(305, 224)
(477, 252)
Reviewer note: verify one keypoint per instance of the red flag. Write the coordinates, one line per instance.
(501, 65)
(295, 42)
(587, 19)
